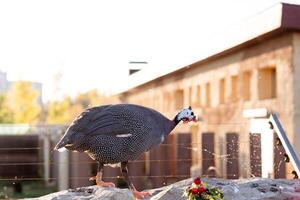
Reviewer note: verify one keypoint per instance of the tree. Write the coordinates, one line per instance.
(65, 110)
(58, 111)
(87, 99)
(6, 114)
(23, 101)
(94, 98)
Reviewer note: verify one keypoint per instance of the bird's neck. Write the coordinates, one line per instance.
(176, 120)
(171, 125)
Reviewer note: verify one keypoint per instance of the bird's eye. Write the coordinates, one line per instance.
(192, 113)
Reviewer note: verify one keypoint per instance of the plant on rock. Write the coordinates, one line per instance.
(200, 191)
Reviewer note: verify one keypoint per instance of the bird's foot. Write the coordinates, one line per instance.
(93, 178)
(102, 183)
(140, 195)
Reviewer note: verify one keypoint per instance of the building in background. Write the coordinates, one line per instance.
(3, 82)
(247, 73)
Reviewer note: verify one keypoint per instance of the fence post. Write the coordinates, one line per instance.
(63, 166)
(63, 170)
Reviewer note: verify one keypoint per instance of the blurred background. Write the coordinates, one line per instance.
(234, 62)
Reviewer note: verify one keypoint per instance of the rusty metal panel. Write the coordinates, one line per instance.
(184, 155)
(80, 168)
(158, 165)
(208, 150)
(171, 154)
(279, 159)
(137, 171)
(19, 156)
(232, 151)
(255, 154)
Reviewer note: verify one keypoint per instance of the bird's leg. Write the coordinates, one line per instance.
(98, 177)
(136, 194)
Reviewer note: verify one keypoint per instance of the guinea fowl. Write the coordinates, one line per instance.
(118, 133)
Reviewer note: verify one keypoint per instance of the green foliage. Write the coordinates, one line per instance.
(23, 101)
(30, 189)
(215, 193)
(121, 183)
(200, 191)
(209, 194)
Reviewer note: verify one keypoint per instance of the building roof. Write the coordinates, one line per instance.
(276, 19)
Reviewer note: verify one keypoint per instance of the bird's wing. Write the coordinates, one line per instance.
(99, 121)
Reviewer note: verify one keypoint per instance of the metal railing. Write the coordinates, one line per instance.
(284, 141)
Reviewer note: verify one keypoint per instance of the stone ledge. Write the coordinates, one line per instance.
(242, 189)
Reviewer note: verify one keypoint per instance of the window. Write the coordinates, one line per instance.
(198, 99)
(222, 91)
(179, 99)
(267, 83)
(190, 96)
(207, 92)
(246, 85)
(234, 88)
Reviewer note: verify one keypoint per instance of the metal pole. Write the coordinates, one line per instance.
(63, 170)
(285, 142)
(46, 150)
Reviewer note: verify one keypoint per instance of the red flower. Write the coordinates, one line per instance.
(197, 181)
(201, 189)
(194, 190)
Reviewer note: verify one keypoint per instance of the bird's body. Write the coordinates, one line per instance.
(115, 133)
(118, 133)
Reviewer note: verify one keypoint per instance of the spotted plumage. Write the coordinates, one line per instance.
(118, 133)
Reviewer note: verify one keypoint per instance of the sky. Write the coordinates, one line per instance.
(73, 46)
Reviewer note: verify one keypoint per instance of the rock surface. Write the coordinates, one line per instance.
(243, 189)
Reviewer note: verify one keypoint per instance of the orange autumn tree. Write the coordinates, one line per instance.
(6, 114)
(58, 111)
(65, 110)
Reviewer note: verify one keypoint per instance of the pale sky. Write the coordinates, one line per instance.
(91, 42)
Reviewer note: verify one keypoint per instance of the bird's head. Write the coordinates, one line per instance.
(186, 115)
